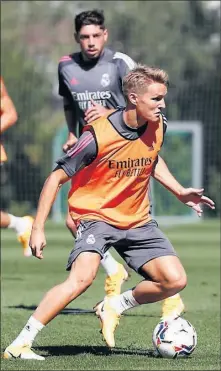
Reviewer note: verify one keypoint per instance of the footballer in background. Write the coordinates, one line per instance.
(21, 225)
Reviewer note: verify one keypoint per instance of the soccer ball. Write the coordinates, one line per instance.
(174, 338)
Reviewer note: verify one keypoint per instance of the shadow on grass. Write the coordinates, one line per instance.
(73, 350)
(78, 311)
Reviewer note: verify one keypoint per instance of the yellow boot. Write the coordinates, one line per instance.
(22, 351)
(109, 321)
(25, 236)
(114, 282)
(172, 307)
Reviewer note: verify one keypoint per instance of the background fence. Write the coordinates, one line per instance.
(179, 36)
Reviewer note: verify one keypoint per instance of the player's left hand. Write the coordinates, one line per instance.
(95, 112)
(193, 197)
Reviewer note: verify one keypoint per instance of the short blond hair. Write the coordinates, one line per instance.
(141, 76)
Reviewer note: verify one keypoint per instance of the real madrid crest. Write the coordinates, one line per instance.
(105, 80)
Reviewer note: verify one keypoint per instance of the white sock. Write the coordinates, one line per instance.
(123, 301)
(29, 332)
(109, 264)
(17, 223)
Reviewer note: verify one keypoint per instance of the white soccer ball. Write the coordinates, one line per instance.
(174, 338)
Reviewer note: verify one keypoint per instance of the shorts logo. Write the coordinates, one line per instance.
(105, 80)
(91, 239)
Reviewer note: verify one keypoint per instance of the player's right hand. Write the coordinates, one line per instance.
(70, 142)
(37, 242)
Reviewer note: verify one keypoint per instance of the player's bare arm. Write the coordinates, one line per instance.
(70, 117)
(191, 197)
(72, 139)
(47, 197)
(162, 174)
(81, 155)
(8, 111)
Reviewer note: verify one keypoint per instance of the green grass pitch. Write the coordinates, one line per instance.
(72, 341)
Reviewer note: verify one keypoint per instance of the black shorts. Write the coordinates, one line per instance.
(136, 246)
